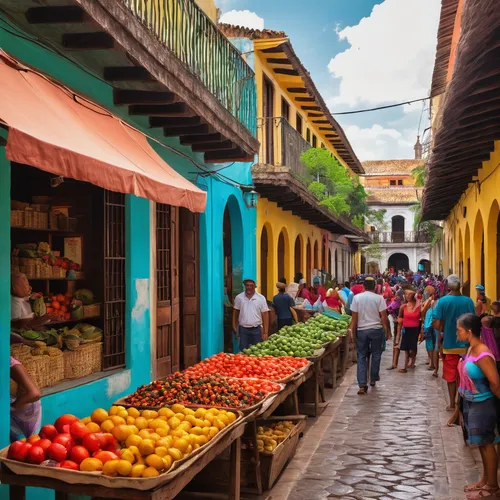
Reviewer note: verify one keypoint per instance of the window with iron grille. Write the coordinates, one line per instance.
(114, 280)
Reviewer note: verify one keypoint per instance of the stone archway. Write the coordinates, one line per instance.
(399, 261)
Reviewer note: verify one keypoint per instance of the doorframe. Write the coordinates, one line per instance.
(152, 287)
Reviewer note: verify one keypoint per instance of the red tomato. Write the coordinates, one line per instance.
(19, 451)
(104, 456)
(79, 454)
(44, 443)
(78, 430)
(63, 420)
(57, 452)
(68, 464)
(36, 455)
(48, 432)
(108, 442)
(33, 439)
(66, 440)
(92, 442)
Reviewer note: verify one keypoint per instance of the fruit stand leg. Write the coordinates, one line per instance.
(256, 457)
(17, 492)
(345, 353)
(59, 495)
(235, 471)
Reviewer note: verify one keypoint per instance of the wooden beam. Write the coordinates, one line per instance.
(277, 60)
(67, 14)
(127, 74)
(88, 41)
(187, 140)
(273, 50)
(182, 122)
(330, 129)
(324, 122)
(311, 108)
(297, 90)
(234, 155)
(173, 110)
(286, 71)
(315, 115)
(305, 99)
(195, 130)
(216, 146)
(123, 97)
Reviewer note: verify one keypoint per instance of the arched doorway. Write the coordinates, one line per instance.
(281, 256)
(467, 273)
(324, 255)
(308, 262)
(398, 229)
(336, 265)
(424, 266)
(363, 264)
(298, 256)
(316, 257)
(329, 262)
(264, 255)
(492, 249)
(478, 242)
(398, 262)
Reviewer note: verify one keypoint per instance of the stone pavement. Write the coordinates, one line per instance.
(392, 443)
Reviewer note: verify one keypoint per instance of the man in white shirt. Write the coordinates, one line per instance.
(369, 325)
(21, 315)
(250, 316)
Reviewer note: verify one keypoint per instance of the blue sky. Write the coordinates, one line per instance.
(361, 54)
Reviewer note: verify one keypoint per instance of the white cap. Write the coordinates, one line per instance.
(302, 281)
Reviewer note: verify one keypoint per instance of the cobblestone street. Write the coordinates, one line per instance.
(392, 443)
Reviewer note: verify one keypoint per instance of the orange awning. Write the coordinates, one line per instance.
(55, 130)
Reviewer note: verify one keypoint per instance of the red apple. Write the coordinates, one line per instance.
(64, 420)
(57, 452)
(48, 432)
(36, 455)
(66, 440)
(19, 451)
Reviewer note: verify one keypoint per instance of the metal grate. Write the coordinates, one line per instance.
(114, 280)
(163, 252)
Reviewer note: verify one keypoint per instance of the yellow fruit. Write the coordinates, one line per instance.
(154, 436)
(123, 414)
(115, 410)
(145, 433)
(133, 449)
(133, 440)
(174, 422)
(130, 420)
(166, 442)
(213, 411)
(91, 465)
(141, 423)
(196, 446)
(209, 417)
(191, 438)
(134, 429)
(147, 414)
(117, 420)
(140, 460)
(200, 413)
(177, 408)
(188, 411)
(124, 467)
(167, 462)
(190, 418)
(93, 427)
(181, 444)
(150, 472)
(185, 426)
(219, 423)
(162, 432)
(146, 447)
(175, 453)
(198, 431)
(231, 416)
(223, 418)
(178, 433)
(189, 450)
(133, 412)
(180, 416)
(99, 416)
(199, 422)
(212, 432)
(206, 431)
(126, 454)
(155, 461)
(86, 420)
(166, 412)
(107, 425)
(201, 440)
(161, 451)
(137, 470)
(121, 432)
(110, 468)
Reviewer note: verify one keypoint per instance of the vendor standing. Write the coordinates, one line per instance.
(21, 315)
(317, 291)
(250, 316)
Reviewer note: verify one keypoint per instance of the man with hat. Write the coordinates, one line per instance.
(481, 301)
(317, 291)
(282, 302)
(250, 316)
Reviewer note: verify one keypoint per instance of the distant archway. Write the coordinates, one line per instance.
(324, 255)
(308, 261)
(298, 255)
(398, 229)
(316, 257)
(424, 266)
(264, 256)
(330, 261)
(467, 270)
(478, 240)
(399, 261)
(336, 257)
(493, 249)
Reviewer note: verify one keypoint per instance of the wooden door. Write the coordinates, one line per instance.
(190, 287)
(167, 291)
(267, 114)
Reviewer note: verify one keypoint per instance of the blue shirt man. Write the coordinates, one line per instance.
(282, 302)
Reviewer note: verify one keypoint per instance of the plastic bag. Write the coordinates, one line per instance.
(307, 304)
(318, 306)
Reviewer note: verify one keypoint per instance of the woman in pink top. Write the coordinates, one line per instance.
(409, 328)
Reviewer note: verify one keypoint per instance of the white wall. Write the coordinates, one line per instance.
(392, 210)
(414, 253)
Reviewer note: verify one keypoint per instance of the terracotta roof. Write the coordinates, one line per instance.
(391, 167)
(444, 38)
(470, 111)
(393, 195)
(241, 32)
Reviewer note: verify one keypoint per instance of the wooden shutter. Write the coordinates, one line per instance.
(114, 280)
(190, 287)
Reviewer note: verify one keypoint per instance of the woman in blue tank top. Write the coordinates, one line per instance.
(478, 386)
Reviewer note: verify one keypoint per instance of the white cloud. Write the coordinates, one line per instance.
(244, 18)
(380, 143)
(391, 54)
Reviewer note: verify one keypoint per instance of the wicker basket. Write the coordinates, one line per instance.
(28, 266)
(43, 370)
(44, 270)
(41, 220)
(84, 361)
(91, 310)
(53, 220)
(58, 272)
(29, 218)
(17, 218)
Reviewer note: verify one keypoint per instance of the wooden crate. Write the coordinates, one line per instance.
(91, 310)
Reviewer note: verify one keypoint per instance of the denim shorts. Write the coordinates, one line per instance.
(480, 419)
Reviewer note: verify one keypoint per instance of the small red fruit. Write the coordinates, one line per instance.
(63, 420)
(68, 464)
(92, 443)
(36, 455)
(104, 456)
(79, 454)
(57, 452)
(44, 443)
(66, 440)
(79, 430)
(48, 432)
(33, 439)
(19, 451)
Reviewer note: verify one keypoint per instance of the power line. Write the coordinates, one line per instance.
(380, 107)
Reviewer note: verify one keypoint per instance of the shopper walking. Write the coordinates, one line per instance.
(479, 384)
(250, 316)
(369, 326)
(409, 328)
(282, 303)
(446, 313)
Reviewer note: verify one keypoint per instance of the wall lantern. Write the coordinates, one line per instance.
(250, 198)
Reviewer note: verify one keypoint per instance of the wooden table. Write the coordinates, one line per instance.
(331, 360)
(345, 354)
(311, 398)
(18, 483)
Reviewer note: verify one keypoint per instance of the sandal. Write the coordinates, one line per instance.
(435, 375)
(391, 368)
(472, 487)
(484, 492)
(402, 370)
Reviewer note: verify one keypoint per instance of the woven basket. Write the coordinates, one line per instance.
(28, 266)
(43, 370)
(41, 220)
(58, 272)
(84, 361)
(29, 218)
(53, 220)
(17, 218)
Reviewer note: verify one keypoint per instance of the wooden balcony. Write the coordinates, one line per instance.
(165, 59)
(412, 237)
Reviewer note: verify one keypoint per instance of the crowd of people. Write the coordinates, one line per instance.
(462, 334)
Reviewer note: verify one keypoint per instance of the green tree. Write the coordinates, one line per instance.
(420, 175)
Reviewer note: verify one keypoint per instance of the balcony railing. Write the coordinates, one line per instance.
(399, 237)
(281, 145)
(191, 35)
